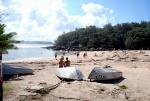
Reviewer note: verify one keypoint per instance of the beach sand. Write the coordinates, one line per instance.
(135, 86)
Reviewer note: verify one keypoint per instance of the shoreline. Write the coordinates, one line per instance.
(59, 53)
(73, 53)
(33, 59)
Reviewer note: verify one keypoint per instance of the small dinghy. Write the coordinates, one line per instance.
(9, 71)
(104, 74)
(69, 73)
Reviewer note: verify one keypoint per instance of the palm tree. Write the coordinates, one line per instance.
(6, 42)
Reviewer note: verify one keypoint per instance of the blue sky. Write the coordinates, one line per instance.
(45, 20)
(124, 10)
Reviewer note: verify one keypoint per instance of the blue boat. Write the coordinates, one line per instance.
(10, 70)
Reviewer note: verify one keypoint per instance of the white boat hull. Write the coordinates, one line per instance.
(70, 73)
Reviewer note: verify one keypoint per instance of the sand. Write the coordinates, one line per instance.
(135, 86)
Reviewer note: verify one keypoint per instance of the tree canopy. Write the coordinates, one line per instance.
(6, 39)
(121, 36)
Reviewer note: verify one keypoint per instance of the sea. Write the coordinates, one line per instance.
(24, 51)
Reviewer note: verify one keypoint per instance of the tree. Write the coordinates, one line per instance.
(6, 42)
(138, 38)
(121, 36)
(129, 43)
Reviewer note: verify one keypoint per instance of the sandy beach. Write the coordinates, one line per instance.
(135, 66)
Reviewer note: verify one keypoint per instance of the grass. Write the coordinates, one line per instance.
(123, 86)
(6, 87)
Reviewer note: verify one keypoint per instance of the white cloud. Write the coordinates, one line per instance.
(92, 8)
(46, 19)
(96, 14)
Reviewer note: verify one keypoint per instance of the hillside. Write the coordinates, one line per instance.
(121, 36)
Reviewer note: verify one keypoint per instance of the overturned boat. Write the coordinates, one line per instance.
(69, 73)
(9, 71)
(99, 73)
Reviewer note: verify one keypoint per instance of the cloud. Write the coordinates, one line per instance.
(96, 14)
(93, 8)
(46, 19)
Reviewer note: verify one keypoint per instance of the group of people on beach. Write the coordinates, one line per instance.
(84, 54)
(66, 63)
(63, 63)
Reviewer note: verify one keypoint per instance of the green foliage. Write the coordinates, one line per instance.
(123, 86)
(6, 39)
(129, 43)
(6, 87)
(121, 36)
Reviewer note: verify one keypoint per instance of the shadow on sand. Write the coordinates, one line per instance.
(115, 81)
(66, 80)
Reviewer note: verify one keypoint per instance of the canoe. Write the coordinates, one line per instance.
(99, 73)
(69, 73)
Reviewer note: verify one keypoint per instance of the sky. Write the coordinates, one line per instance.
(45, 20)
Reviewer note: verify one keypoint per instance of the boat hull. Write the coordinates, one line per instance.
(69, 73)
(104, 74)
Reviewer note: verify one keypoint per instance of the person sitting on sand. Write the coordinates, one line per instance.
(61, 62)
(67, 62)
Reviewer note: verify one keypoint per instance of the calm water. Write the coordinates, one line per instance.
(28, 51)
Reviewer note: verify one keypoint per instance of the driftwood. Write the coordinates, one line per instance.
(38, 93)
(68, 98)
(44, 90)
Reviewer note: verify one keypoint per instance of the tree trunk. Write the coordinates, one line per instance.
(1, 78)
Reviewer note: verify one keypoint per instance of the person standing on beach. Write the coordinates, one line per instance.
(67, 62)
(85, 55)
(64, 53)
(78, 54)
(56, 56)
